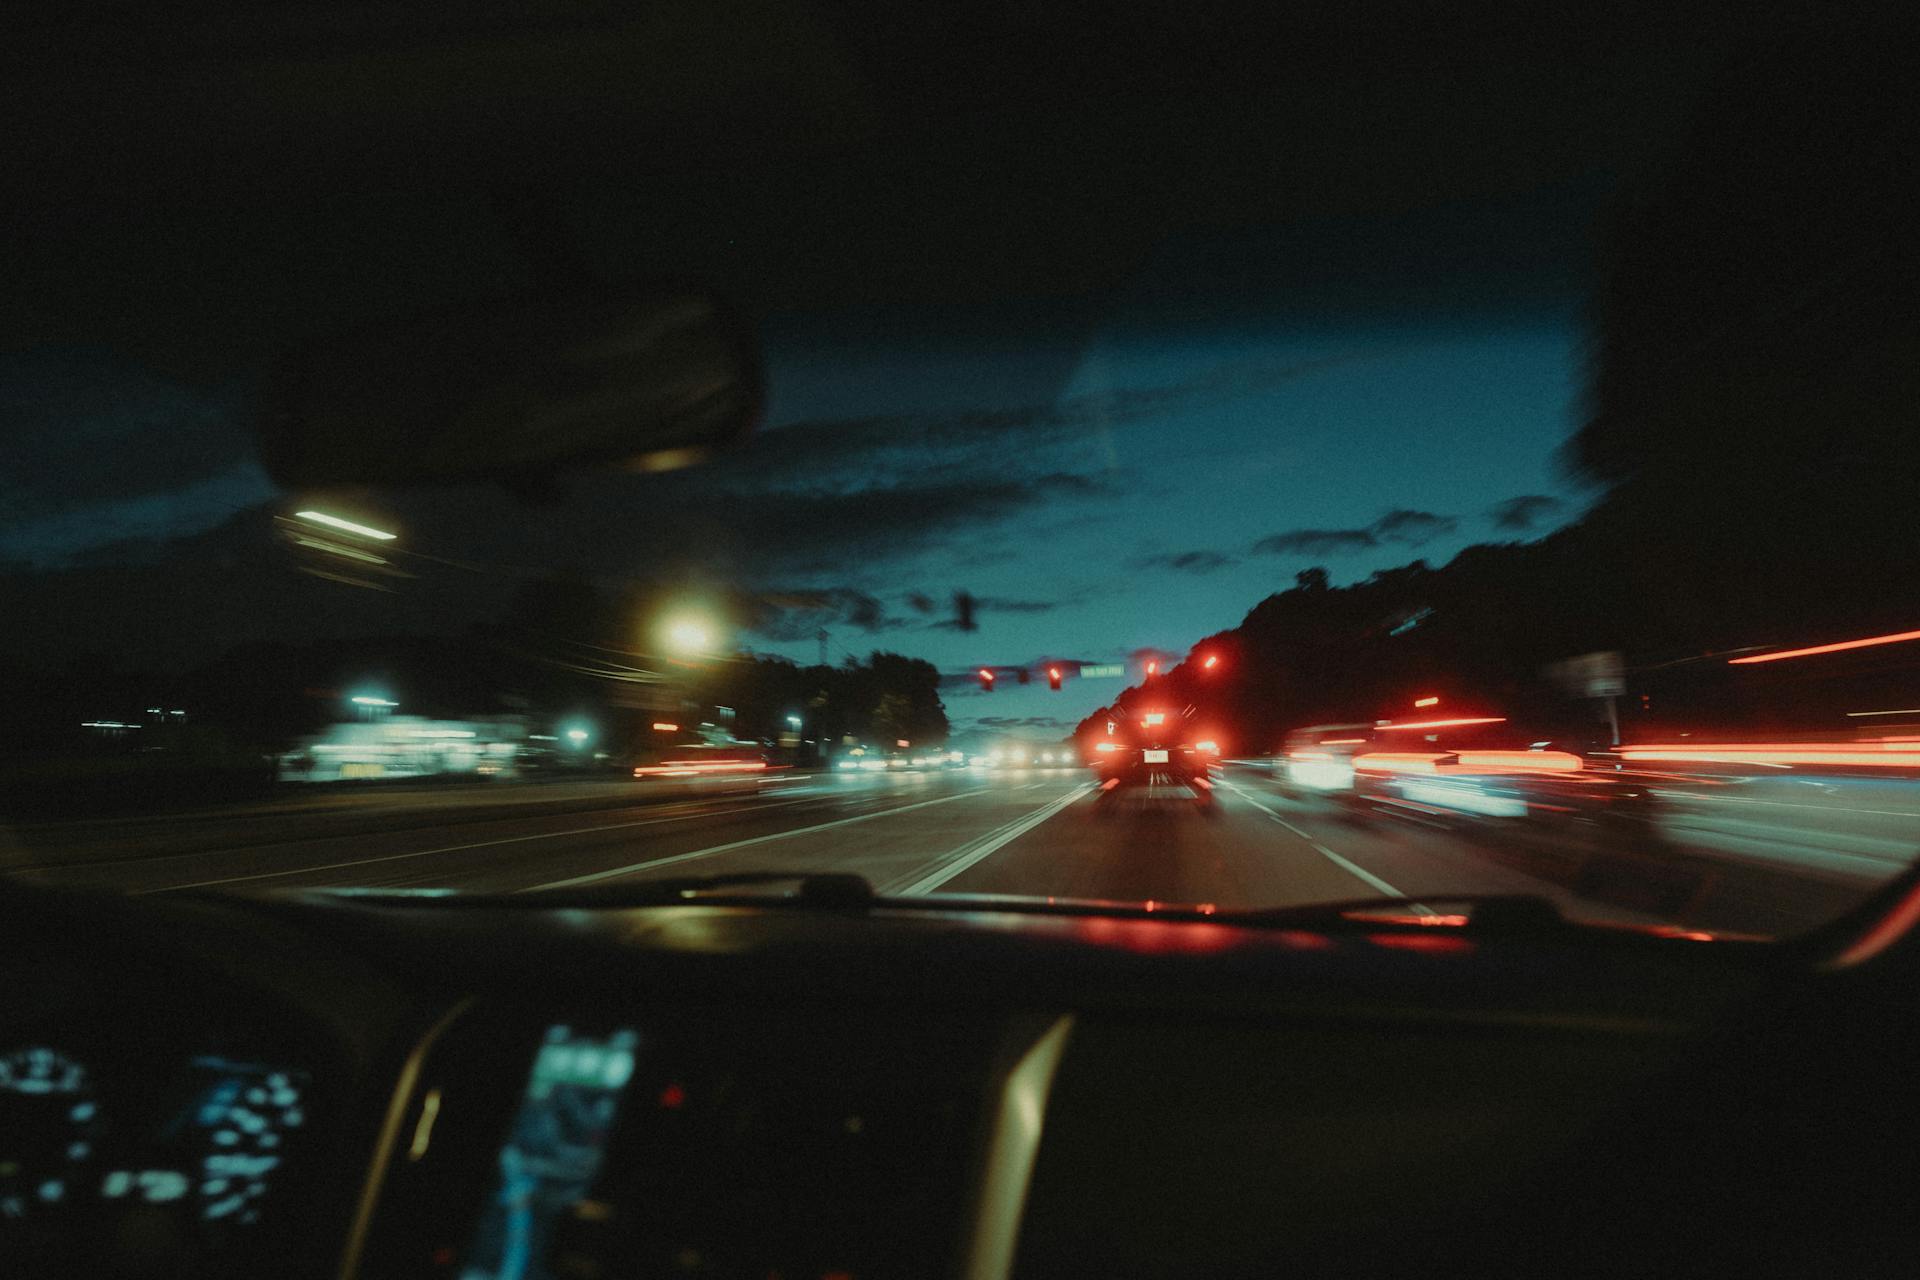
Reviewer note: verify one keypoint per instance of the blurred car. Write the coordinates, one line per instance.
(1319, 757)
(703, 760)
(1149, 745)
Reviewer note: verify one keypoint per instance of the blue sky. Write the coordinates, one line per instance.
(1424, 417)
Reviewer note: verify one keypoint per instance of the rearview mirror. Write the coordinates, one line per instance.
(516, 393)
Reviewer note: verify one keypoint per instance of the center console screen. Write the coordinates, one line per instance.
(552, 1155)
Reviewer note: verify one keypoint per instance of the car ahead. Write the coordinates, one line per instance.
(1153, 745)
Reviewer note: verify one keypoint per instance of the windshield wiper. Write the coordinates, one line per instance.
(1485, 913)
(815, 889)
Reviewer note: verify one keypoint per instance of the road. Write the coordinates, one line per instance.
(1030, 832)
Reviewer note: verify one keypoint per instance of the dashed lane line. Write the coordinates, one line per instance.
(1345, 864)
(650, 864)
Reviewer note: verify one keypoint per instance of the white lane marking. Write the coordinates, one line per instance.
(455, 848)
(976, 851)
(742, 844)
(1338, 861)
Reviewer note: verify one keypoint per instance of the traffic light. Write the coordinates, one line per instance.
(1053, 679)
(986, 680)
(1213, 660)
(1153, 668)
(1024, 676)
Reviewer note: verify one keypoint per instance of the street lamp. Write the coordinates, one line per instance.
(688, 634)
(794, 721)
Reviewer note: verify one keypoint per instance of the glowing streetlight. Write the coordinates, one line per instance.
(688, 634)
(794, 721)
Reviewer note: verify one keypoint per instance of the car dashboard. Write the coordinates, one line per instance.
(381, 1085)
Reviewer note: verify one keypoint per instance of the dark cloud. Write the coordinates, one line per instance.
(1413, 528)
(798, 614)
(1187, 561)
(919, 602)
(1402, 525)
(996, 604)
(1316, 542)
(830, 451)
(784, 531)
(1524, 513)
(85, 429)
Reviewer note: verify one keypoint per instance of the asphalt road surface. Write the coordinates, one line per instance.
(1030, 832)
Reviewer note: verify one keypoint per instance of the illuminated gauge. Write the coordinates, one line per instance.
(49, 1127)
(41, 1070)
(246, 1117)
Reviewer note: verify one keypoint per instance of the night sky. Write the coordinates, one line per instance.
(1133, 489)
(1119, 377)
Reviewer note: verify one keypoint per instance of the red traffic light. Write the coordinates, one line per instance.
(986, 679)
(1153, 668)
(1053, 677)
(1213, 660)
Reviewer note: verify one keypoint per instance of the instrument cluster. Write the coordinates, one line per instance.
(143, 1160)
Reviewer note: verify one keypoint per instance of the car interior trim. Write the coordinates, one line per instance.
(1013, 1146)
(390, 1128)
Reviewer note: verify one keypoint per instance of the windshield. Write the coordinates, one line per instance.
(1220, 465)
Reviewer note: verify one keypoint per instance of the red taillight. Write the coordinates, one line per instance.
(1870, 641)
(688, 768)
